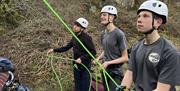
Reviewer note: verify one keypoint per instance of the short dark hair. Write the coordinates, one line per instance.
(156, 16)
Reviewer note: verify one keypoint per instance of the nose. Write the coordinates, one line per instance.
(139, 20)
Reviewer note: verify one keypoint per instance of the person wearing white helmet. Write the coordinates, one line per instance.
(114, 48)
(83, 22)
(110, 11)
(81, 75)
(154, 62)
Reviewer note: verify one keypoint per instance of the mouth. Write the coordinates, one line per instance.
(102, 20)
(139, 26)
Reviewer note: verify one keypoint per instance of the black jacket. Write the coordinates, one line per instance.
(78, 50)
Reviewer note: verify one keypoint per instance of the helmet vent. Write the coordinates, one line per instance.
(160, 5)
(154, 4)
(84, 22)
(110, 8)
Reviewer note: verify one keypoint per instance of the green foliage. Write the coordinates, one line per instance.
(1, 31)
(9, 17)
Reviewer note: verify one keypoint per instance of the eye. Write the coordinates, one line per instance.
(145, 15)
(138, 16)
(103, 14)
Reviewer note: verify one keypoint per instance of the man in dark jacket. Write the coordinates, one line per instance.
(81, 75)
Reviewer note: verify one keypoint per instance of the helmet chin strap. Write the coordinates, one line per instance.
(153, 28)
(150, 31)
(108, 22)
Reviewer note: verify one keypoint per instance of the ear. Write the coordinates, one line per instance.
(157, 23)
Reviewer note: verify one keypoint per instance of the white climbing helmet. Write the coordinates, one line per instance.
(157, 7)
(109, 9)
(83, 22)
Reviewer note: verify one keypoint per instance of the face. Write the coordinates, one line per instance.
(144, 21)
(76, 28)
(104, 18)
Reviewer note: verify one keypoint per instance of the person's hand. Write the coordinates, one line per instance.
(78, 61)
(99, 59)
(94, 62)
(105, 64)
(50, 51)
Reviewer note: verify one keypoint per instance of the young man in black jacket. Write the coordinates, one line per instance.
(81, 75)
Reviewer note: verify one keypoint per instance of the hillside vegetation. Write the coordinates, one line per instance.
(28, 29)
